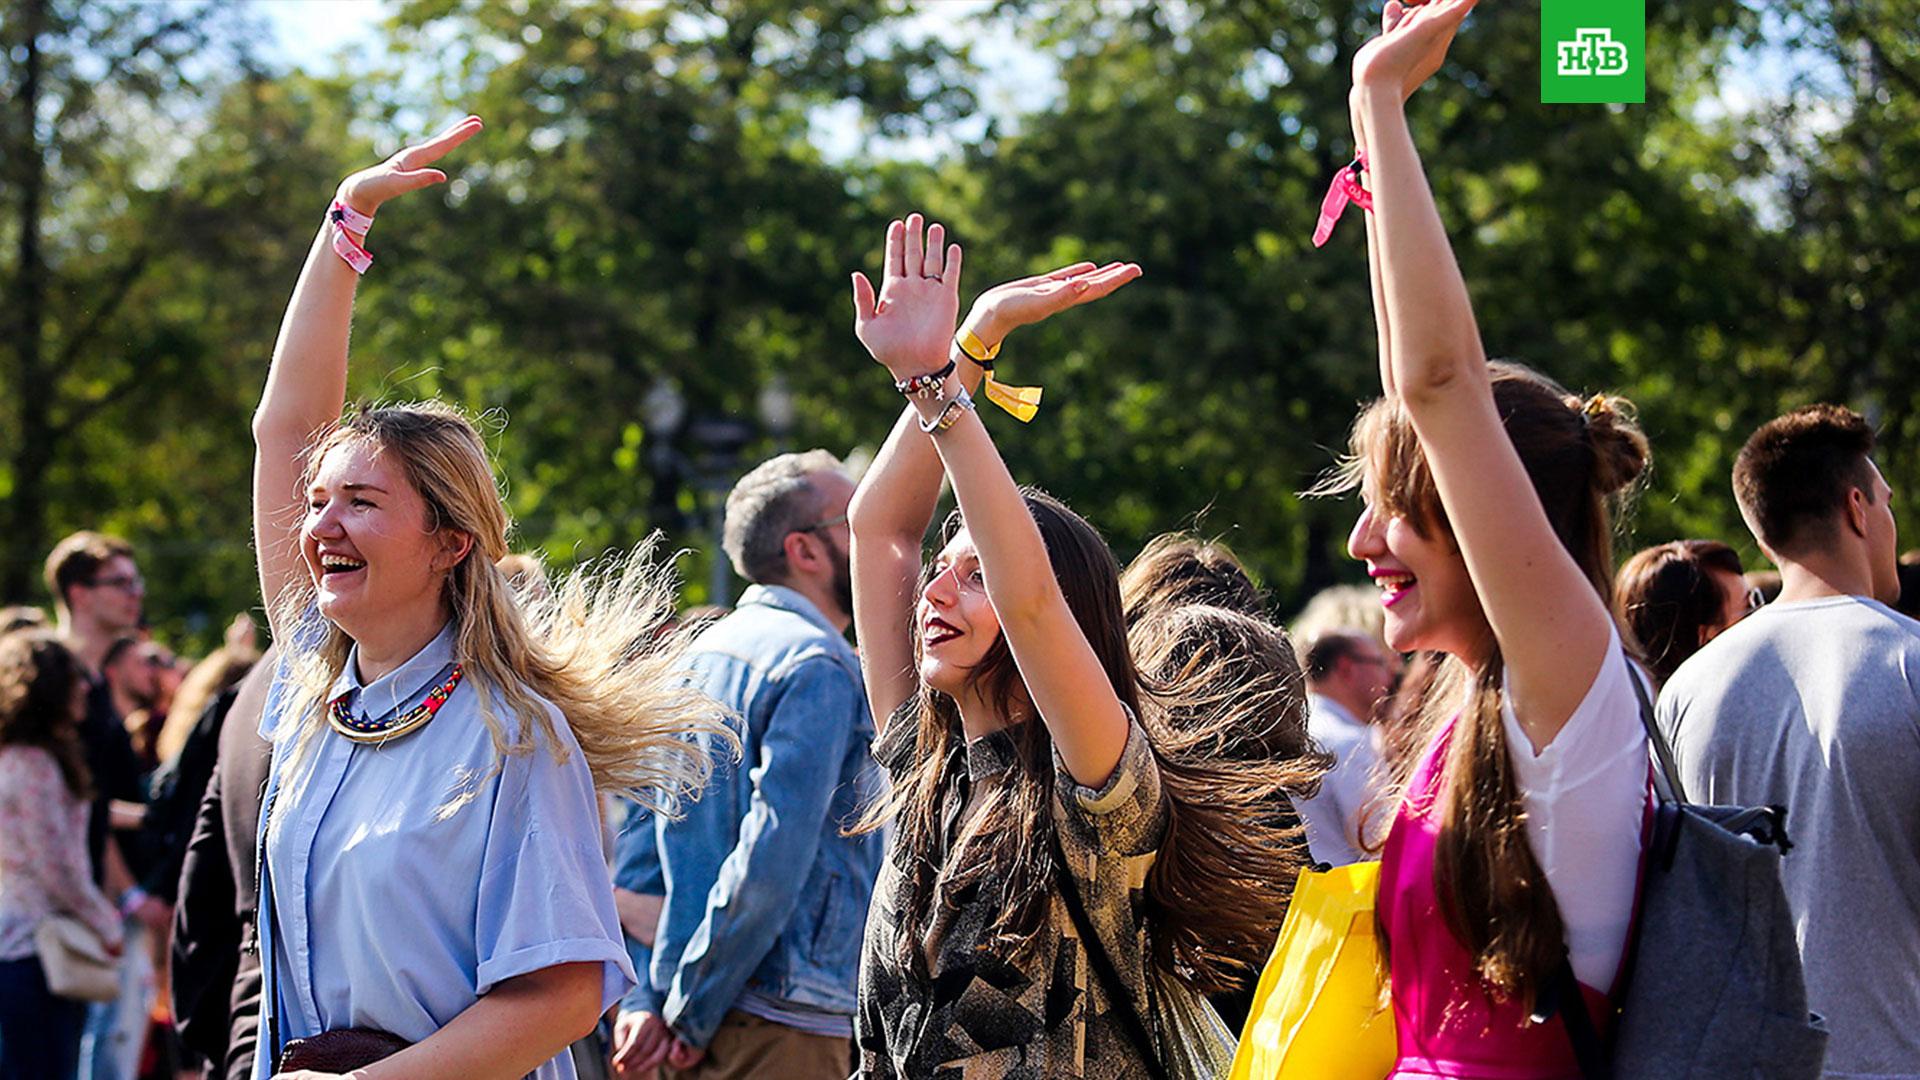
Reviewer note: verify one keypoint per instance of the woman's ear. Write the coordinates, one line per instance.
(455, 546)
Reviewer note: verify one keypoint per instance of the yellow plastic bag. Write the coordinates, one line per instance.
(1321, 1010)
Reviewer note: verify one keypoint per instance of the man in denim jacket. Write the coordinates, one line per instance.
(754, 965)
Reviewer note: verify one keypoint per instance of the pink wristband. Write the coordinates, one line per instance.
(344, 217)
(342, 214)
(353, 254)
(1346, 188)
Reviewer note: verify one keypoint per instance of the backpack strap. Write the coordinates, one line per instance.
(1666, 779)
(1109, 976)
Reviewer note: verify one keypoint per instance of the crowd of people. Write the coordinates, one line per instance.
(1042, 816)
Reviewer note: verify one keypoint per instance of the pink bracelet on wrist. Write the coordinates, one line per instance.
(344, 217)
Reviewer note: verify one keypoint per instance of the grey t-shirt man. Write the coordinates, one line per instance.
(1815, 705)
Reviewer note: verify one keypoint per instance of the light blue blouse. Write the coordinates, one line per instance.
(380, 908)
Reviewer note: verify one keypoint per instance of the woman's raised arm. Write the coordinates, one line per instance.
(307, 382)
(1551, 626)
(897, 497)
(908, 326)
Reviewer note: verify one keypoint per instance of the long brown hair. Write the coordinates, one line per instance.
(592, 648)
(1007, 841)
(38, 680)
(1225, 721)
(1582, 455)
(1227, 717)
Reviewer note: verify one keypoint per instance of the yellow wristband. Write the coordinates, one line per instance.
(1020, 402)
(975, 348)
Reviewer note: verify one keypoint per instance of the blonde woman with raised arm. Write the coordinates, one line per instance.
(431, 871)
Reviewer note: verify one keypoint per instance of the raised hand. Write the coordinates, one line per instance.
(1412, 44)
(1008, 306)
(909, 325)
(405, 171)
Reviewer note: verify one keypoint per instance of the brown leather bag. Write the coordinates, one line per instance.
(340, 1050)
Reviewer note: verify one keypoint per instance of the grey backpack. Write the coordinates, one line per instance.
(1712, 988)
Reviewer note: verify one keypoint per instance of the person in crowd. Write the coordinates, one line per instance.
(432, 866)
(1026, 803)
(132, 685)
(1810, 704)
(1675, 597)
(98, 594)
(1348, 676)
(43, 849)
(214, 973)
(21, 617)
(1344, 607)
(756, 959)
(1176, 569)
(220, 671)
(1765, 584)
(1515, 847)
(1229, 686)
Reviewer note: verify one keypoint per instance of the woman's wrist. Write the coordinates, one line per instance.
(985, 326)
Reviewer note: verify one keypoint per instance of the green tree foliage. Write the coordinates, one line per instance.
(651, 206)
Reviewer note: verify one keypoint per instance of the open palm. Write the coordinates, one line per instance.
(1013, 304)
(405, 171)
(909, 324)
(1412, 44)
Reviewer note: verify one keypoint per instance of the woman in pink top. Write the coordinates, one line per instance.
(43, 849)
(1515, 845)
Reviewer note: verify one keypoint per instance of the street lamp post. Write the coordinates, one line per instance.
(716, 441)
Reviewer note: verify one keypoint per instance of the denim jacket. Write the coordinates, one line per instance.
(763, 892)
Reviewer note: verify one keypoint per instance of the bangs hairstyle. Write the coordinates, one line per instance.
(1005, 846)
(1584, 457)
(593, 647)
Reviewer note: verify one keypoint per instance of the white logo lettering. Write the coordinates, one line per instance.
(1593, 52)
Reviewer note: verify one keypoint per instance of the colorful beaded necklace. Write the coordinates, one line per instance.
(379, 731)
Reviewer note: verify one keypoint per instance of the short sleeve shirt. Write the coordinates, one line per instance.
(405, 880)
(975, 1015)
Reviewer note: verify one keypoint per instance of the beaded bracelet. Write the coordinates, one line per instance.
(931, 385)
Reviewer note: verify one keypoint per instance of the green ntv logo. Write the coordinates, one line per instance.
(1593, 51)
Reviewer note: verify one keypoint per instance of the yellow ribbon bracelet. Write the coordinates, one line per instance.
(1020, 402)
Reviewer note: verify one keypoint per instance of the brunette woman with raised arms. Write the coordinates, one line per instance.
(1028, 778)
(431, 873)
(1516, 843)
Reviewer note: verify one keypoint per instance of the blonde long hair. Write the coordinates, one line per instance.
(595, 647)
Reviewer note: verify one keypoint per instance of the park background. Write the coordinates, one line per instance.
(639, 272)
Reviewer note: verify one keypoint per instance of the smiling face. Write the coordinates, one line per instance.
(955, 620)
(1423, 582)
(368, 542)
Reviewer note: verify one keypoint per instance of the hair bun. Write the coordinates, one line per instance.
(1620, 452)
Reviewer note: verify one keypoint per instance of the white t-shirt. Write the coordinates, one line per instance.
(1585, 796)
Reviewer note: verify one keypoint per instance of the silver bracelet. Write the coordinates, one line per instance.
(950, 414)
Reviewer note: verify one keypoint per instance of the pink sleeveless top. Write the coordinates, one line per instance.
(1446, 1026)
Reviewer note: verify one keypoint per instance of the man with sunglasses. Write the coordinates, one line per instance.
(750, 966)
